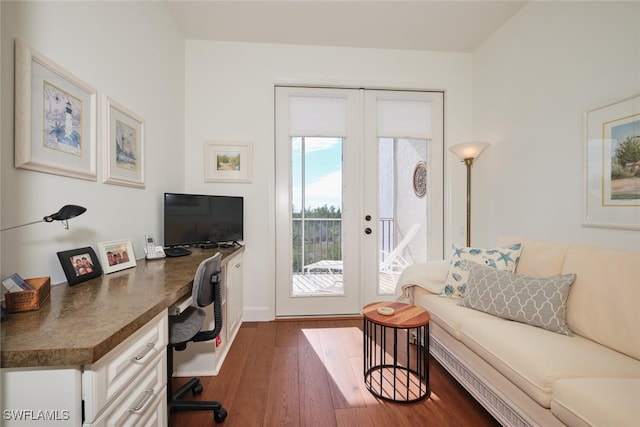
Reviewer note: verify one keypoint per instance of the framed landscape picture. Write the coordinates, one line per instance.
(55, 118)
(227, 161)
(122, 145)
(612, 166)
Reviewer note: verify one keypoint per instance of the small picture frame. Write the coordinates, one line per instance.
(227, 161)
(122, 145)
(79, 265)
(116, 255)
(55, 118)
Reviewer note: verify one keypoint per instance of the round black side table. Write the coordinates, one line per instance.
(396, 351)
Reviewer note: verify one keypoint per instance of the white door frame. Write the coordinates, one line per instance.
(435, 180)
(358, 246)
(350, 302)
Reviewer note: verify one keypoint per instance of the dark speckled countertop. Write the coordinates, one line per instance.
(80, 324)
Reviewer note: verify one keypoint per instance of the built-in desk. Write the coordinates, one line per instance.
(81, 324)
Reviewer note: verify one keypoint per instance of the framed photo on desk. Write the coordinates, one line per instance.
(79, 265)
(116, 255)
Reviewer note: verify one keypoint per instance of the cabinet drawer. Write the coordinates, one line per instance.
(141, 404)
(106, 379)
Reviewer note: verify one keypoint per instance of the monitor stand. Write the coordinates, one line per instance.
(208, 245)
(175, 251)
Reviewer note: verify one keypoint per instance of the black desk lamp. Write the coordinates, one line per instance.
(65, 213)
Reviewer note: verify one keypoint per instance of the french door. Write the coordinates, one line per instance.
(359, 194)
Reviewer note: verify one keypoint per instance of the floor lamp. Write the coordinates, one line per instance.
(468, 152)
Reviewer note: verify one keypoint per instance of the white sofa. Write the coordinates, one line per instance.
(526, 375)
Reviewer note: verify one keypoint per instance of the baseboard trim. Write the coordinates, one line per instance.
(318, 318)
(484, 395)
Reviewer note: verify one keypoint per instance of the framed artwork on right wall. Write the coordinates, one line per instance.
(612, 166)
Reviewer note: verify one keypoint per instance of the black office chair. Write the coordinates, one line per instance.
(187, 327)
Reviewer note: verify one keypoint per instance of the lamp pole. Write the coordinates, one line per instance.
(468, 152)
(468, 162)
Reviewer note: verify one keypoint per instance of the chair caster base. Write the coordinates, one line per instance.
(197, 389)
(219, 415)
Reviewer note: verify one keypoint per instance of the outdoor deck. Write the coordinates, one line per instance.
(316, 284)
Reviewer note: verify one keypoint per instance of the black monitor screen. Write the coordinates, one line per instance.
(193, 219)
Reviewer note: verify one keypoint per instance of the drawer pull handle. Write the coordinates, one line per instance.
(148, 393)
(143, 353)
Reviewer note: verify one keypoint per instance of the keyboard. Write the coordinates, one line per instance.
(175, 251)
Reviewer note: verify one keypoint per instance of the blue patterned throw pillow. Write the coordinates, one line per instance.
(505, 259)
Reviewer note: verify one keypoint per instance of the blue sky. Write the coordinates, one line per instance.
(323, 168)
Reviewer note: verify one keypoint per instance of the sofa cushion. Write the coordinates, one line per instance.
(604, 301)
(537, 301)
(597, 401)
(445, 311)
(534, 358)
(505, 258)
(538, 257)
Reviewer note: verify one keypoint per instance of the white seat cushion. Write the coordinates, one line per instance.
(597, 401)
(534, 358)
(445, 311)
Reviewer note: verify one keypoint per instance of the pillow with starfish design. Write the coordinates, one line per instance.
(505, 259)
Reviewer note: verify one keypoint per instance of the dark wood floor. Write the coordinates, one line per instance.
(309, 373)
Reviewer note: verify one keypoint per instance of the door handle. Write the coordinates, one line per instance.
(367, 230)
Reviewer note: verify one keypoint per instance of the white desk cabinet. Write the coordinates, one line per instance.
(111, 383)
(126, 387)
(94, 355)
(234, 286)
(142, 403)
(206, 358)
(41, 397)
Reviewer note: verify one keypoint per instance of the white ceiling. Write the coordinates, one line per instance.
(448, 25)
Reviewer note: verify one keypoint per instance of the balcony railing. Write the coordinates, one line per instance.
(320, 239)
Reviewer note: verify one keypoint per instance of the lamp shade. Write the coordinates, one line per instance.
(66, 212)
(469, 150)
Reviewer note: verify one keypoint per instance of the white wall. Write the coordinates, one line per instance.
(230, 96)
(130, 51)
(532, 82)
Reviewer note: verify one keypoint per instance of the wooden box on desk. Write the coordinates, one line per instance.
(31, 299)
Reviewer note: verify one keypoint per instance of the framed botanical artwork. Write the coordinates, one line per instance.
(79, 265)
(227, 161)
(55, 118)
(122, 145)
(116, 255)
(612, 166)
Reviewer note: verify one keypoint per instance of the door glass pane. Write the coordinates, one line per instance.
(316, 216)
(402, 237)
